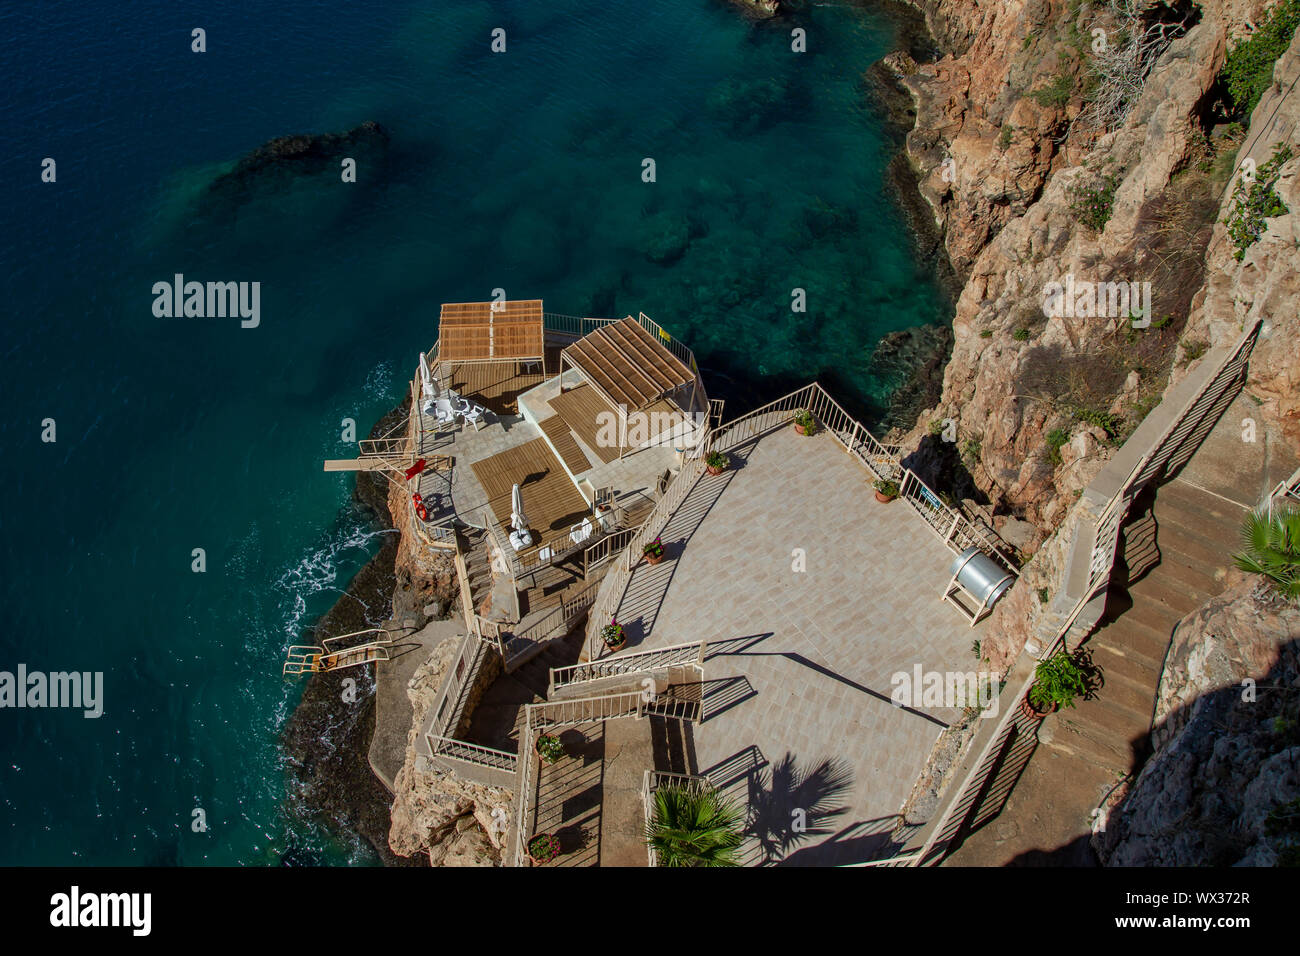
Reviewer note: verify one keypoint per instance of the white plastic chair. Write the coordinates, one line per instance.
(471, 413)
(443, 411)
(580, 532)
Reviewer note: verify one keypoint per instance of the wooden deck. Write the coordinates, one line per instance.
(551, 501)
(495, 384)
(583, 409)
(579, 407)
(557, 430)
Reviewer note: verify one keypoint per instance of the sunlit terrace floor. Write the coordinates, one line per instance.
(798, 673)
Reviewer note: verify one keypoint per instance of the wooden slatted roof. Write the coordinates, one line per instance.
(626, 362)
(478, 332)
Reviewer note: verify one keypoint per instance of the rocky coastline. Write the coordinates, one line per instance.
(326, 743)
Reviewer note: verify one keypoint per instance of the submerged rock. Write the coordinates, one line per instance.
(296, 155)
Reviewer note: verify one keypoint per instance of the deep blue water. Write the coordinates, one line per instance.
(519, 170)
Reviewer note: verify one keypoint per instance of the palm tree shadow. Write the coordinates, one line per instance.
(789, 806)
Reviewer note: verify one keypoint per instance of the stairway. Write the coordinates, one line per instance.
(473, 546)
(1195, 535)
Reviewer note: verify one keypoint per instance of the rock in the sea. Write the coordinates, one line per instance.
(760, 8)
(298, 154)
(665, 236)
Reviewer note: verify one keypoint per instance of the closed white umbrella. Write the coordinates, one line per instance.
(519, 536)
(426, 378)
(518, 520)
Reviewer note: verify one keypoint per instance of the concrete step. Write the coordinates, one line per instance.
(1137, 672)
(1126, 685)
(1178, 497)
(1142, 646)
(1068, 739)
(1197, 581)
(1195, 546)
(1166, 600)
(1106, 730)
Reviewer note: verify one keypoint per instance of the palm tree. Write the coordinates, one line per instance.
(1272, 539)
(692, 825)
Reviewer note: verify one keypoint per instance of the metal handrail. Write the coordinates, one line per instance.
(692, 653)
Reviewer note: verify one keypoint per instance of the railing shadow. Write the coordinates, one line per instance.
(643, 598)
(720, 695)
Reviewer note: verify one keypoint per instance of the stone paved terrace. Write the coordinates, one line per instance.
(798, 672)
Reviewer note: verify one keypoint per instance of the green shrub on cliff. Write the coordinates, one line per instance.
(1248, 68)
(1254, 201)
(1056, 440)
(1092, 205)
(1056, 93)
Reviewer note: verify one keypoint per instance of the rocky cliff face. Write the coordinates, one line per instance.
(456, 822)
(1223, 786)
(1032, 190)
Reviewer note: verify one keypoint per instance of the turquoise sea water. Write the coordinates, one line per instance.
(519, 170)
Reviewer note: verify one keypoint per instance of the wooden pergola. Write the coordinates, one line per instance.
(476, 332)
(628, 367)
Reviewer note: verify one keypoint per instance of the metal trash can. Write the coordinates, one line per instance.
(980, 576)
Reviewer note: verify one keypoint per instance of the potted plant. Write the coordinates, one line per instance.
(886, 489)
(613, 635)
(804, 423)
(693, 825)
(717, 463)
(543, 848)
(1058, 680)
(549, 747)
(654, 552)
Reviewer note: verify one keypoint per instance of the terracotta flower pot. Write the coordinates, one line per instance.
(654, 558)
(800, 429)
(714, 471)
(1031, 712)
(541, 860)
(884, 498)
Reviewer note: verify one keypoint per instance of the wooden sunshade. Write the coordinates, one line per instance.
(476, 332)
(627, 364)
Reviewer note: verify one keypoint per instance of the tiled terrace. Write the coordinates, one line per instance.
(798, 674)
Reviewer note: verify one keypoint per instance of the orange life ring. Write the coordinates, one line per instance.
(416, 498)
(422, 512)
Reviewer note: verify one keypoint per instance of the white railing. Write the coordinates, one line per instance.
(449, 706)
(465, 751)
(627, 663)
(520, 646)
(1286, 492)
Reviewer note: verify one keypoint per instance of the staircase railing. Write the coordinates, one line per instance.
(520, 646)
(620, 573)
(692, 653)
